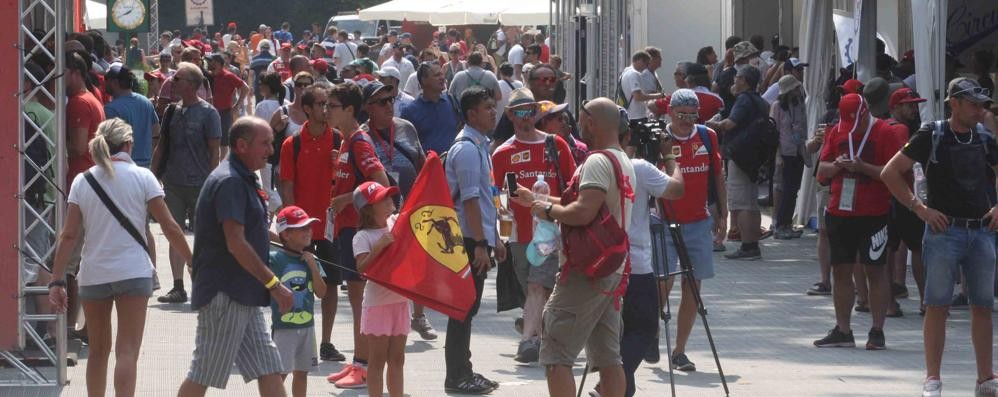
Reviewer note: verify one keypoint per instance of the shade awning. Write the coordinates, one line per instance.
(96, 15)
(468, 12)
(404, 10)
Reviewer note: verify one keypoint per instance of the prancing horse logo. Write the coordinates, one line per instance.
(439, 234)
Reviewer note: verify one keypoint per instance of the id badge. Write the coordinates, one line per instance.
(848, 194)
(330, 234)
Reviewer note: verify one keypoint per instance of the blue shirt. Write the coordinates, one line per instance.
(469, 175)
(746, 110)
(294, 274)
(435, 122)
(138, 112)
(231, 192)
(284, 36)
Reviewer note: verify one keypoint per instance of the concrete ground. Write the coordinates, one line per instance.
(762, 322)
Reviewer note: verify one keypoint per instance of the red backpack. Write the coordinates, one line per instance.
(598, 249)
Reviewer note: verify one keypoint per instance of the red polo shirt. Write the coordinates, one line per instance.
(224, 90)
(364, 158)
(312, 173)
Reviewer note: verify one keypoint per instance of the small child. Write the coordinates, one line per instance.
(294, 331)
(385, 317)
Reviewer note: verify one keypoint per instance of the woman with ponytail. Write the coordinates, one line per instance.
(116, 271)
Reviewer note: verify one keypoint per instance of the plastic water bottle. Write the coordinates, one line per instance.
(540, 189)
(544, 231)
(921, 186)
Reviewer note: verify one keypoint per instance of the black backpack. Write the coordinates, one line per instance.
(755, 147)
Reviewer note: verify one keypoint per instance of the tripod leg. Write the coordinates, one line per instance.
(703, 317)
(666, 316)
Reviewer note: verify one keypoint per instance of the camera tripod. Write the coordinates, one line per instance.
(686, 271)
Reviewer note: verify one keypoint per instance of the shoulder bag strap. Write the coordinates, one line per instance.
(122, 220)
(551, 154)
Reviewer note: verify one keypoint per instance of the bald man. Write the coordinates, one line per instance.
(577, 314)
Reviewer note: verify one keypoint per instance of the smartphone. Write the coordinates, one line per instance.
(511, 184)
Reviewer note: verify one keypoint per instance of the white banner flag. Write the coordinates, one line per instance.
(199, 12)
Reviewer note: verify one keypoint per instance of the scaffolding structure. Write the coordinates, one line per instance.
(594, 38)
(41, 35)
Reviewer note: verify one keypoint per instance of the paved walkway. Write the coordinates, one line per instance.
(762, 323)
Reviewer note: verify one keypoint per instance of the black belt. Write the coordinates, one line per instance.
(967, 223)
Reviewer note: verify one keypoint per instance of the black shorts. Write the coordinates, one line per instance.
(857, 237)
(904, 226)
(344, 241)
(326, 251)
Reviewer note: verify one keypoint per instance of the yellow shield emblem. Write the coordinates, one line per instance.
(439, 233)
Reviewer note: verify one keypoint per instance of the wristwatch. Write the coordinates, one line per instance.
(547, 211)
(482, 243)
(57, 283)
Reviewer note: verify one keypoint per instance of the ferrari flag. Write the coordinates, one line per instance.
(427, 262)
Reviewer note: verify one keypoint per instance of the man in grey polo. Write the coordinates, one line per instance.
(475, 76)
(231, 277)
(187, 151)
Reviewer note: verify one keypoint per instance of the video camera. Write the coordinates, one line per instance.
(646, 135)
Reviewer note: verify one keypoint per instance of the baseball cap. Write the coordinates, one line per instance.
(319, 65)
(371, 192)
(546, 108)
(908, 56)
(292, 217)
(967, 89)
(389, 71)
(114, 70)
(744, 50)
(520, 96)
(373, 88)
(851, 86)
(905, 95)
(877, 92)
(406, 35)
(154, 75)
(794, 63)
(851, 106)
(285, 45)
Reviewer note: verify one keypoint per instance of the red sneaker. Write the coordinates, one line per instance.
(357, 379)
(332, 378)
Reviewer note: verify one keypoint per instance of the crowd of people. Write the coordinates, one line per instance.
(287, 160)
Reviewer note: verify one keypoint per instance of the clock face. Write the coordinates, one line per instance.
(128, 14)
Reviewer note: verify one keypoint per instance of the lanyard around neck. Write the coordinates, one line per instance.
(862, 144)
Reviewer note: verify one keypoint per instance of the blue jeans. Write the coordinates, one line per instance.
(955, 249)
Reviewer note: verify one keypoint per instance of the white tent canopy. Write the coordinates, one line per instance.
(468, 12)
(96, 15)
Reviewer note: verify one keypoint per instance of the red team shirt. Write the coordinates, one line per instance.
(871, 197)
(83, 110)
(694, 162)
(525, 159)
(224, 89)
(312, 174)
(346, 180)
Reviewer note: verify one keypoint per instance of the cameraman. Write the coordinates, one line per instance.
(640, 308)
(703, 168)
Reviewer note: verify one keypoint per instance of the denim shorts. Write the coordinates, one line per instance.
(699, 245)
(131, 287)
(956, 248)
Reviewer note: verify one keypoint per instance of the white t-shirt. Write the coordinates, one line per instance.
(630, 81)
(343, 54)
(515, 55)
(109, 253)
(650, 181)
(386, 50)
(412, 86)
(404, 66)
(772, 93)
(506, 90)
(501, 38)
(649, 81)
(266, 108)
(374, 294)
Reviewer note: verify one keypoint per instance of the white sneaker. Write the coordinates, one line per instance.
(987, 389)
(932, 388)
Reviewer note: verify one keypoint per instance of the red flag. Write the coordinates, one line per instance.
(427, 262)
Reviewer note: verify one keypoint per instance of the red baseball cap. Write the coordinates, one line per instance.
(852, 86)
(371, 192)
(851, 107)
(154, 75)
(904, 95)
(285, 45)
(292, 217)
(232, 24)
(908, 56)
(319, 65)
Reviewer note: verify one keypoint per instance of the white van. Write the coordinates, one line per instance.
(369, 30)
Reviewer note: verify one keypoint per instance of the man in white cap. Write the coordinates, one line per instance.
(390, 76)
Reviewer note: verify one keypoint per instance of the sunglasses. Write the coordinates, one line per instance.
(525, 113)
(383, 101)
(583, 108)
(688, 116)
(549, 80)
(303, 84)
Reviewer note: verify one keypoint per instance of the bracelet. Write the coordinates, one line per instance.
(273, 282)
(57, 283)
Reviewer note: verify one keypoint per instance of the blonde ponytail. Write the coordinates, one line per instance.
(111, 135)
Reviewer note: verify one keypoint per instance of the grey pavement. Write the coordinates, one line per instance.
(762, 322)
